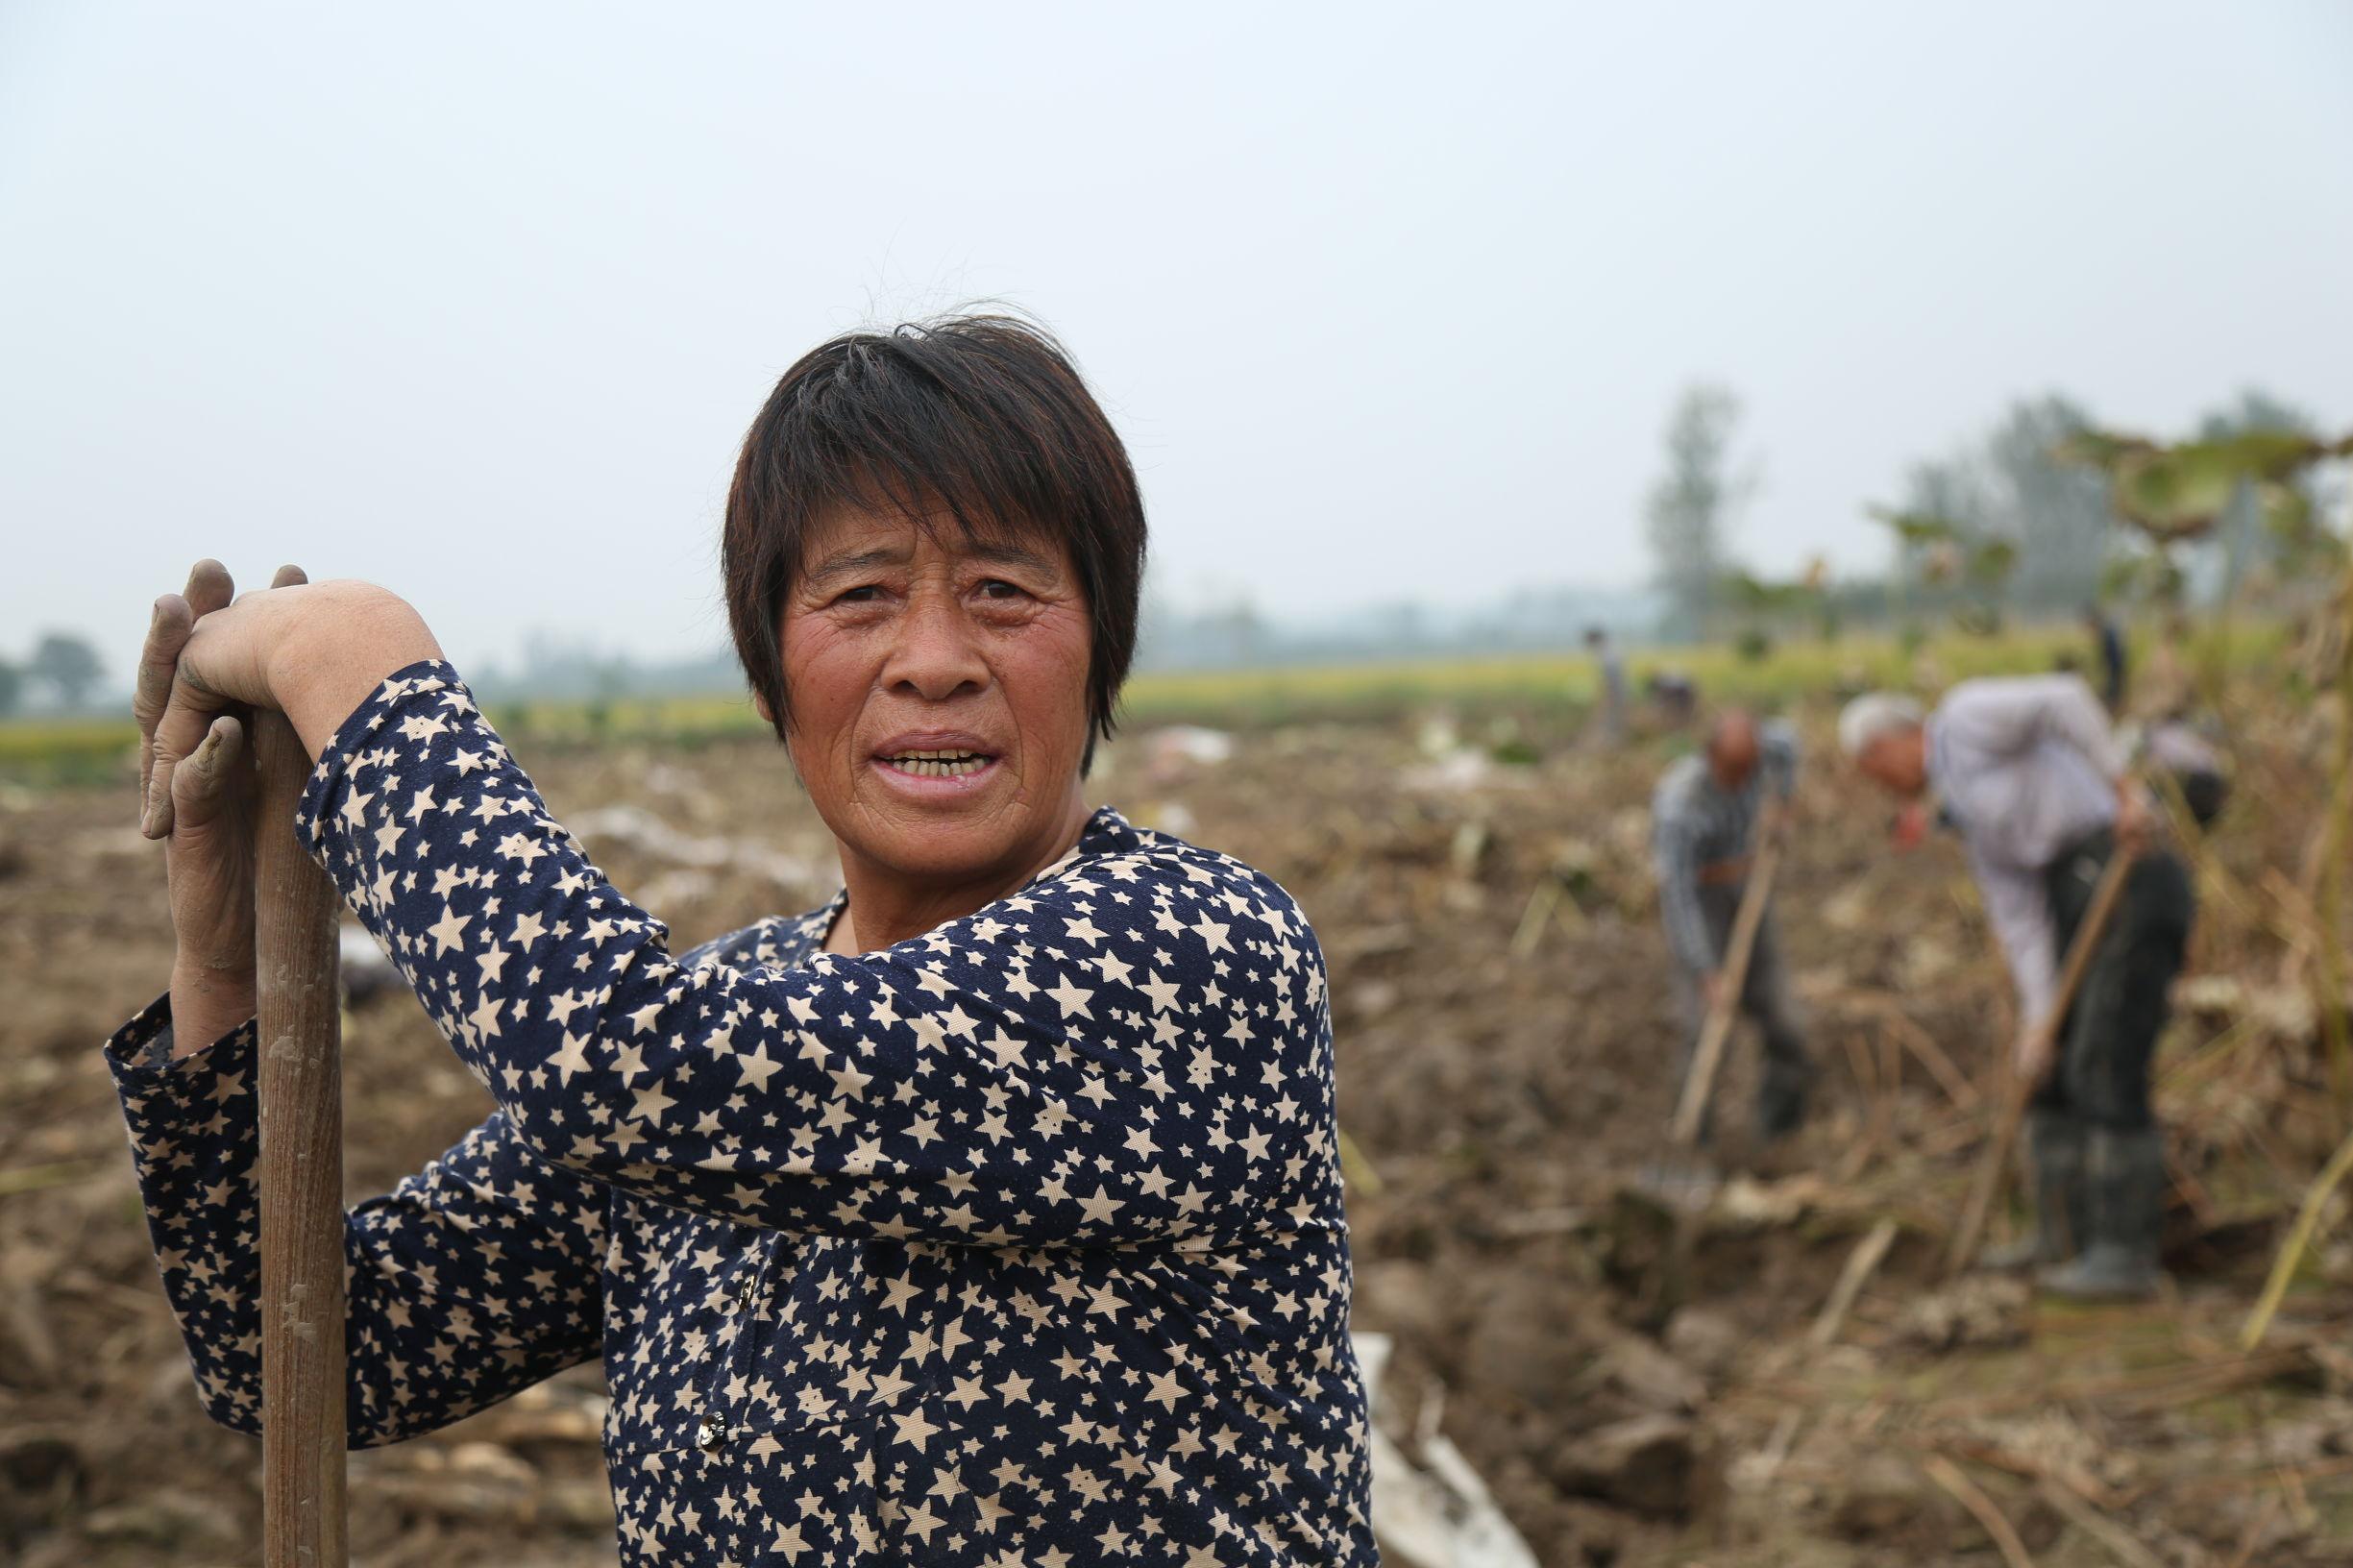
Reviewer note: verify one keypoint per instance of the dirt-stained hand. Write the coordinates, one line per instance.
(209, 854)
(218, 662)
(208, 860)
(208, 588)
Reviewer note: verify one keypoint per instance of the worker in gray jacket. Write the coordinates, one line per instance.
(2028, 773)
(1706, 816)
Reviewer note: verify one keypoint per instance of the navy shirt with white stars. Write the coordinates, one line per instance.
(1020, 1242)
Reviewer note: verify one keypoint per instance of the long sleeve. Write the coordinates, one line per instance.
(1779, 755)
(473, 1278)
(2004, 718)
(2028, 768)
(1134, 1048)
(2015, 904)
(1676, 856)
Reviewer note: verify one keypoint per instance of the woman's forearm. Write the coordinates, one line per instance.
(208, 1002)
(338, 652)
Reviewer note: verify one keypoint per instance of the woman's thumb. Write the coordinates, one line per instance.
(202, 784)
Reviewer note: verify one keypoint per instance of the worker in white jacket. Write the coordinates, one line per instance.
(2028, 773)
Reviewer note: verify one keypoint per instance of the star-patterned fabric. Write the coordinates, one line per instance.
(1020, 1242)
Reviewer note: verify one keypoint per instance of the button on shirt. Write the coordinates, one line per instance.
(1019, 1241)
(1695, 822)
(2026, 767)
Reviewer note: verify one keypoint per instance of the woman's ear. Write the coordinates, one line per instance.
(759, 705)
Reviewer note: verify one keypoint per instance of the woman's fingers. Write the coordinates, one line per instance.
(176, 719)
(221, 663)
(166, 634)
(289, 576)
(188, 719)
(208, 588)
(203, 786)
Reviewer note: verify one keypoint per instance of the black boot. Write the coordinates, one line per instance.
(2125, 1175)
(2054, 1157)
(1782, 1095)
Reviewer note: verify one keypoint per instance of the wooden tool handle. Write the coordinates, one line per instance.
(300, 1089)
(2022, 1086)
(1700, 1083)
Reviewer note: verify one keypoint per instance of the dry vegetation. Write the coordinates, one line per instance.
(1638, 1389)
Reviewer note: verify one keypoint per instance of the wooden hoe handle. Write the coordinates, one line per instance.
(300, 1090)
(1692, 1108)
(1997, 1161)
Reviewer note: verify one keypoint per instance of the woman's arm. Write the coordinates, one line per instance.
(208, 858)
(1137, 1051)
(1134, 1049)
(471, 1281)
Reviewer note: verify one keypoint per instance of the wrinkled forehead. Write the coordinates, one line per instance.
(880, 531)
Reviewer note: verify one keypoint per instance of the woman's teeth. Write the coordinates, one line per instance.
(937, 763)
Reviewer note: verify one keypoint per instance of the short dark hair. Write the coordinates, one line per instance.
(984, 416)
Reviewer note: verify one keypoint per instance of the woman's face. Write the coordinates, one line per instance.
(937, 688)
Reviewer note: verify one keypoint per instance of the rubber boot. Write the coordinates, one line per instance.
(2125, 1175)
(1782, 1095)
(2054, 1155)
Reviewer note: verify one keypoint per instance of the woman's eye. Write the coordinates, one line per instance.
(1000, 588)
(864, 594)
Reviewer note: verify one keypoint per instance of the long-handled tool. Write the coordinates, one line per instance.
(300, 1090)
(1996, 1164)
(1691, 1111)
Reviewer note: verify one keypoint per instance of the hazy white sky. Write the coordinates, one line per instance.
(476, 300)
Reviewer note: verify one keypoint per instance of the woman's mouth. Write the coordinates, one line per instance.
(950, 764)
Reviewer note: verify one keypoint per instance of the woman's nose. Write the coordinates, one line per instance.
(938, 654)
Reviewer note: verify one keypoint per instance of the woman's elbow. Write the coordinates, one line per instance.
(549, 1136)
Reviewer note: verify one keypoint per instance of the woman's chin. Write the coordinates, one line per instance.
(951, 829)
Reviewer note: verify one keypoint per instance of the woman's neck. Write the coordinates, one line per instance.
(885, 906)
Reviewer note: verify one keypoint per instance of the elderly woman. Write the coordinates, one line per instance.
(987, 1214)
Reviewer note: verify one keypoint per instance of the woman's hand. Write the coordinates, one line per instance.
(209, 857)
(211, 659)
(311, 650)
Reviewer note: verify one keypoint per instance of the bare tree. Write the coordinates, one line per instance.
(2008, 490)
(1952, 506)
(1691, 504)
(68, 664)
(2251, 537)
(2057, 513)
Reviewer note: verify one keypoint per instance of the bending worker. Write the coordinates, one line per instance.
(2028, 773)
(1705, 819)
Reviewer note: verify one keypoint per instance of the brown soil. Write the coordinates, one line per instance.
(1635, 1386)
